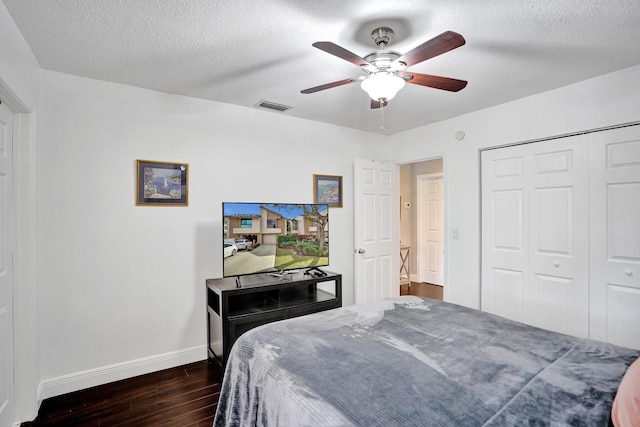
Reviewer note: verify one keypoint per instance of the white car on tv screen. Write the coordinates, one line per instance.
(243, 243)
(230, 249)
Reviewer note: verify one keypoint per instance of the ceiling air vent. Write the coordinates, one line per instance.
(273, 106)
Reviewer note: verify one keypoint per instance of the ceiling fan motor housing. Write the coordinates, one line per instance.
(382, 36)
(383, 61)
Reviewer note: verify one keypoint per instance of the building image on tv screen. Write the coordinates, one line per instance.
(273, 237)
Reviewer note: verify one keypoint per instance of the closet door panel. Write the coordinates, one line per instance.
(552, 302)
(623, 220)
(553, 263)
(615, 236)
(535, 234)
(623, 303)
(508, 220)
(506, 297)
(560, 236)
(553, 234)
(504, 242)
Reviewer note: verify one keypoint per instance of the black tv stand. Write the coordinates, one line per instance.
(232, 311)
(280, 273)
(315, 272)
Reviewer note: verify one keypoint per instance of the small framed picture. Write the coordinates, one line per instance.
(327, 189)
(162, 183)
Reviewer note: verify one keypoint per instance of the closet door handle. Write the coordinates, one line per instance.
(556, 264)
(628, 272)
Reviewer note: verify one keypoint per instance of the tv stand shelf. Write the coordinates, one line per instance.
(261, 299)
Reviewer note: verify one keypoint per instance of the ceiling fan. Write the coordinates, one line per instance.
(385, 71)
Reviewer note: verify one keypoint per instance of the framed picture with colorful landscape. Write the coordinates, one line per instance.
(327, 189)
(161, 183)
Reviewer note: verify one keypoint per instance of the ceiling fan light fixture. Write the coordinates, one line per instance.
(382, 85)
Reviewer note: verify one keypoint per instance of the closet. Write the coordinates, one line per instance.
(561, 234)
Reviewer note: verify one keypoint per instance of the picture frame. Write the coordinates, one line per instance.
(162, 183)
(327, 189)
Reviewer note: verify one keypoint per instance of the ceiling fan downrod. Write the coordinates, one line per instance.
(382, 36)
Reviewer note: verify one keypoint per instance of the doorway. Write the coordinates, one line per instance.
(422, 226)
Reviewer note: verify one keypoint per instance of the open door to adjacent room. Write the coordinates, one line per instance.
(422, 197)
(376, 241)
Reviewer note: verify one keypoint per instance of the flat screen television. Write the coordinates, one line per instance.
(274, 237)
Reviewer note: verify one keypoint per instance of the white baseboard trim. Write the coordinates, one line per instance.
(413, 277)
(119, 371)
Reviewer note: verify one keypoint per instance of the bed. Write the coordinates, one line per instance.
(416, 361)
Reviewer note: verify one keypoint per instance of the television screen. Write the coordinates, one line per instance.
(274, 237)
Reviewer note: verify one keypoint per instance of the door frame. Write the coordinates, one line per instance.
(422, 215)
(445, 214)
(24, 250)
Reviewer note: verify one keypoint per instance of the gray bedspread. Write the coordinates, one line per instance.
(413, 361)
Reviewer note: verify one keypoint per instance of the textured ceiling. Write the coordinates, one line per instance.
(241, 52)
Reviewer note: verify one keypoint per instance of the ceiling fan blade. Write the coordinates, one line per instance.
(330, 85)
(438, 45)
(341, 52)
(437, 82)
(378, 104)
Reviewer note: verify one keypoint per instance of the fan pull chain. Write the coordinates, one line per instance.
(382, 128)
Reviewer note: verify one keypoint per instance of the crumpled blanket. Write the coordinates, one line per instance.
(413, 361)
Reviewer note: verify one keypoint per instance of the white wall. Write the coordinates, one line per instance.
(121, 285)
(599, 102)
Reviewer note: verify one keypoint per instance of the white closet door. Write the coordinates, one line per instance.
(505, 236)
(615, 236)
(535, 234)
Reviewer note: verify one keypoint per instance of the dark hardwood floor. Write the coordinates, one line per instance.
(182, 396)
(423, 290)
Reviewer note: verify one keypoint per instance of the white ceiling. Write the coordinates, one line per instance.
(244, 51)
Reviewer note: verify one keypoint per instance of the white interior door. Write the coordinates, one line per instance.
(505, 237)
(376, 234)
(6, 283)
(430, 229)
(535, 234)
(615, 236)
(559, 236)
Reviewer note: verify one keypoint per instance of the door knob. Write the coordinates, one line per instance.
(359, 251)
(556, 264)
(628, 272)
